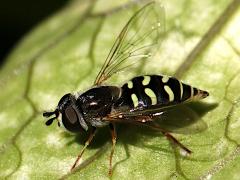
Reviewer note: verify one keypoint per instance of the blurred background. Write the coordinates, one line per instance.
(18, 17)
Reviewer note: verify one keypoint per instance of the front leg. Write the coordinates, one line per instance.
(91, 135)
(114, 137)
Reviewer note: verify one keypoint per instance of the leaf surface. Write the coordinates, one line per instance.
(65, 52)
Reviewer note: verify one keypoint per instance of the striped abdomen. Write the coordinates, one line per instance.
(143, 91)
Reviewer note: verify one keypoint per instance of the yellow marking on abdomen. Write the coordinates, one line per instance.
(181, 89)
(146, 80)
(191, 97)
(130, 84)
(152, 95)
(165, 79)
(169, 92)
(135, 100)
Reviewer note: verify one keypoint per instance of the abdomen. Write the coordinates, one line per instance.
(143, 91)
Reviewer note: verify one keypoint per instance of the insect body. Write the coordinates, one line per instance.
(141, 100)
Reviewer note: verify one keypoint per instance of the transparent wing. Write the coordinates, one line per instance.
(138, 40)
(179, 119)
(182, 119)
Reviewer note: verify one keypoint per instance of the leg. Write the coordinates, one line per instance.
(174, 140)
(93, 132)
(170, 137)
(167, 135)
(114, 137)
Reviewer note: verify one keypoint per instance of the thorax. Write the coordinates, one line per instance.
(97, 102)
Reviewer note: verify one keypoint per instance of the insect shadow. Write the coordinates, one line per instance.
(183, 119)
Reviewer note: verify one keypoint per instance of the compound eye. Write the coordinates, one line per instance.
(70, 120)
(71, 115)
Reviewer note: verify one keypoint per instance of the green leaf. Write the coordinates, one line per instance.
(65, 52)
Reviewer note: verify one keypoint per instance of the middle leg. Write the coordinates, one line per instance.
(114, 137)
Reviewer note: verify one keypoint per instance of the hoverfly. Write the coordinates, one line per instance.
(141, 100)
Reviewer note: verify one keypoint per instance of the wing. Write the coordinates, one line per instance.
(137, 41)
(181, 119)
(126, 114)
